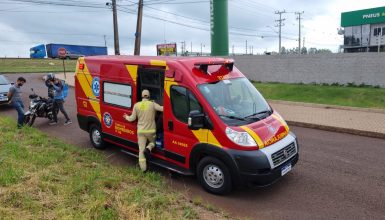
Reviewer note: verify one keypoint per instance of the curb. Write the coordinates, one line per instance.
(337, 129)
(315, 105)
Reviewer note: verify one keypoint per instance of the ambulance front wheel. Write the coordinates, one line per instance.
(214, 176)
(96, 137)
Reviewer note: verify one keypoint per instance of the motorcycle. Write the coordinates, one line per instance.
(38, 107)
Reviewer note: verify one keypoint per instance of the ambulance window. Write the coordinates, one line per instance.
(183, 101)
(152, 80)
(117, 94)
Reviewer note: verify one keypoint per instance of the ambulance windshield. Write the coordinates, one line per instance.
(236, 101)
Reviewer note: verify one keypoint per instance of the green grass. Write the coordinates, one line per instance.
(45, 178)
(355, 96)
(14, 65)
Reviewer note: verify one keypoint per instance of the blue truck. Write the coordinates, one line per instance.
(73, 51)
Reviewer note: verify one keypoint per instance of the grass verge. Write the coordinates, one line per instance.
(354, 96)
(44, 178)
(14, 65)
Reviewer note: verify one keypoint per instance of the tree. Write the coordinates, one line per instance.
(303, 50)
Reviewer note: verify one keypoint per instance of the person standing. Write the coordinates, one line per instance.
(51, 91)
(58, 102)
(14, 95)
(145, 111)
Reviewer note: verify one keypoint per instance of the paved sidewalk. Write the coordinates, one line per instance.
(360, 121)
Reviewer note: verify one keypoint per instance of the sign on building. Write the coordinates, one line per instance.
(166, 49)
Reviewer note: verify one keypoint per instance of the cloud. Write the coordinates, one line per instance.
(24, 25)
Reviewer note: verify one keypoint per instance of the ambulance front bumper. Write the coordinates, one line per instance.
(265, 166)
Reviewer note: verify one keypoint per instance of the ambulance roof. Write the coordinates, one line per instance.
(139, 59)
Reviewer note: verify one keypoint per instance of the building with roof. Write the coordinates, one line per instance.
(363, 30)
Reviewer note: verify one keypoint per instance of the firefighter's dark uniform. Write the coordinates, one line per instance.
(145, 112)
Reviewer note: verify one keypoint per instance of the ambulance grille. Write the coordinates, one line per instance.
(283, 154)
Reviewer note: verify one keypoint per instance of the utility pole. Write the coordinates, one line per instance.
(115, 21)
(299, 30)
(246, 47)
(233, 50)
(183, 47)
(105, 40)
(138, 34)
(280, 24)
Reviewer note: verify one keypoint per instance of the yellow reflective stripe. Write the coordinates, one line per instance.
(142, 131)
(167, 86)
(142, 160)
(206, 136)
(144, 105)
(280, 119)
(211, 139)
(201, 135)
(85, 81)
(159, 63)
(254, 135)
(133, 71)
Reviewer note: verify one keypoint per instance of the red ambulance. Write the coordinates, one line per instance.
(215, 124)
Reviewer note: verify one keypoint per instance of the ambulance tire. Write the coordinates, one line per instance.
(96, 137)
(214, 176)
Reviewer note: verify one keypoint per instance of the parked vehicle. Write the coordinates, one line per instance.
(216, 125)
(5, 84)
(73, 56)
(38, 107)
(73, 51)
(38, 52)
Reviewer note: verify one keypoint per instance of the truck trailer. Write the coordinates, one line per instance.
(72, 51)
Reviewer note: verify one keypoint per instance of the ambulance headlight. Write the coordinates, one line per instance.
(240, 138)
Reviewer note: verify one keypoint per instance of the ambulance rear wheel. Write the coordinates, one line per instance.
(96, 137)
(214, 176)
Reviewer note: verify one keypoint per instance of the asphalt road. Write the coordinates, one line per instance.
(338, 176)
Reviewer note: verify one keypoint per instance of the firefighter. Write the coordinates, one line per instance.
(145, 112)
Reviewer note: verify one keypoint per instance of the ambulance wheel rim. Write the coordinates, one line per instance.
(96, 138)
(213, 176)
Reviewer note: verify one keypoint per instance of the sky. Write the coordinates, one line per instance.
(26, 23)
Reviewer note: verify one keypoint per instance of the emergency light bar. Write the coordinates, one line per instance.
(203, 66)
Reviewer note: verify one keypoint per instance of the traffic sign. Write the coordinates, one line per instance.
(61, 52)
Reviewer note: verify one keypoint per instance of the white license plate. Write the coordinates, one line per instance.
(285, 169)
(3, 98)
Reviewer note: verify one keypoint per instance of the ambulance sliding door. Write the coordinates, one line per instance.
(152, 79)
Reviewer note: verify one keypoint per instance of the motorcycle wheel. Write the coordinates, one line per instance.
(27, 118)
(32, 120)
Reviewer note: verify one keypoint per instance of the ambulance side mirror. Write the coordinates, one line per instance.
(196, 120)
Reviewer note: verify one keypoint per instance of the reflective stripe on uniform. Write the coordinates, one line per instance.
(144, 105)
(146, 131)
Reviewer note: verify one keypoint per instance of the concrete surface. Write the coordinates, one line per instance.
(367, 68)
